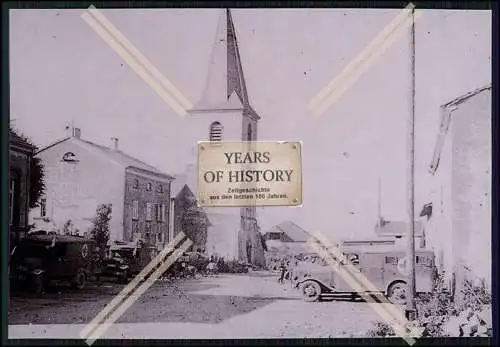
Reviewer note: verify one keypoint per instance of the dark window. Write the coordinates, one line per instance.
(148, 187)
(136, 184)
(391, 260)
(15, 183)
(43, 207)
(160, 189)
(69, 157)
(149, 211)
(424, 260)
(215, 132)
(135, 209)
(157, 212)
(249, 133)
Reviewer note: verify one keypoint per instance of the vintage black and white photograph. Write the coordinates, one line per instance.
(389, 235)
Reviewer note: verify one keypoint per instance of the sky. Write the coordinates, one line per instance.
(62, 71)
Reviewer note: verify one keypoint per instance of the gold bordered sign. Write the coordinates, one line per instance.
(257, 173)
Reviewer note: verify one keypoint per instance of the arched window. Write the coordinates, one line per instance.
(249, 133)
(215, 131)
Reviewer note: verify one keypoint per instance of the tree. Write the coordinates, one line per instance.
(37, 182)
(37, 174)
(194, 224)
(100, 228)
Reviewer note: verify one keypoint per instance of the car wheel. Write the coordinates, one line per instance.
(124, 277)
(311, 291)
(397, 293)
(80, 280)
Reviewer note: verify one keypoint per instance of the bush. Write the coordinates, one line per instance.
(436, 309)
(381, 329)
(234, 266)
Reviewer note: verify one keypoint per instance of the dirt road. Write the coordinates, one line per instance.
(250, 305)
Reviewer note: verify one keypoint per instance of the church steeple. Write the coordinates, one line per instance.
(225, 88)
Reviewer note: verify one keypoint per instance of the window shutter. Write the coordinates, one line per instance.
(215, 132)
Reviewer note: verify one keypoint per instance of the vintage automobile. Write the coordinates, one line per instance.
(114, 267)
(40, 259)
(385, 269)
(136, 255)
(189, 264)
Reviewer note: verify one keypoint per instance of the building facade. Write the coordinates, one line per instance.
(81, 175)
(224, 113)
(461, 190)
(20, 156)
(286, 238)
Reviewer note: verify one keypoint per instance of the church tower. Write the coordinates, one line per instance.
(224, 113)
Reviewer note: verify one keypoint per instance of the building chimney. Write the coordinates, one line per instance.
(115, 143)
(77, 133)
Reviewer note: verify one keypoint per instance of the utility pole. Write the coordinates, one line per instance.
(379, 204)
(410, 235)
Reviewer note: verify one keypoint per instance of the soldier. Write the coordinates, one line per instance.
(282, 271)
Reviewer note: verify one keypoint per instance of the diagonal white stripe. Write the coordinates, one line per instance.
(364, 53)
(380, 310)
(138, 68)
(360, 277)
(360, 283)
(368, 63)
(131, 286)
(142, 288)
(117, 35)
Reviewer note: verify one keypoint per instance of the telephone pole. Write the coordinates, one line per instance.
(410, 235)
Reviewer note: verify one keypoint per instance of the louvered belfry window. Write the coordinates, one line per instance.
(215, 132)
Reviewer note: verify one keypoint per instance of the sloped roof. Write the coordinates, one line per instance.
(115, 155)
(398, 228)
(446, 111)
(466, 96)
(225, 87)
(18, 141)
(291, 229)
(218, 218)
(180, 181)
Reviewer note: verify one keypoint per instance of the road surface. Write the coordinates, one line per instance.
(251, 305)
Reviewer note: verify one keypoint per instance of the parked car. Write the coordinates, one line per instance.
(383, 268)
(136, 255)
(40, 259)
(115, 267)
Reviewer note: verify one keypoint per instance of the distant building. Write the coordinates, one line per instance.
(396, 230)
(20, 156)
(182, 199)
(221, 234)
(287, 236)
(461, 189)
(369, 242)
(80, 175)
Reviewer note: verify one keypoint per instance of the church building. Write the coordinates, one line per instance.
(224, 113)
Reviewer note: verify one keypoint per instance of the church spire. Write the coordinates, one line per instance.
(225, 88)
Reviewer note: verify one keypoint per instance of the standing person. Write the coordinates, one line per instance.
(211, 266)
(282, 271)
